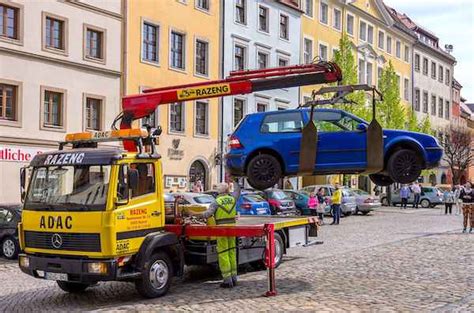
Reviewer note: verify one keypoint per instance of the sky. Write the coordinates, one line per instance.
(452, 21)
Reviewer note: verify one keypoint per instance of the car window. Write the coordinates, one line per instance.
(360, 192)
(204, 199)
(282, 123)
(253, 198)
(334, 122)
(426, 189)
(146, 179)
(5, 216)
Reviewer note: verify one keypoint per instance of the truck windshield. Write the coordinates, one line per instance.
(69, 188)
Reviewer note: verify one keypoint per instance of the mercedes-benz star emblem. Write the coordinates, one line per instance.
(57, 241)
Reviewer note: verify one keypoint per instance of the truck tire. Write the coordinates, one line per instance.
(156, 276)
(72, 287)
(279, 250)
(263, 171)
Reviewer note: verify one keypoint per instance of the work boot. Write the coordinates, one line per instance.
(234, 280)
(470, 230)
(464, 230)
(227, 283)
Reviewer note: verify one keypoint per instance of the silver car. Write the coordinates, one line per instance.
(195, 198)
(348, 205)
(365, 201)
(430, 197)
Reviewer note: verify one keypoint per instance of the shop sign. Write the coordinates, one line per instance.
(19, 154)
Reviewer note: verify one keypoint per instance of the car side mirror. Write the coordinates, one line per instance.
(362, 127)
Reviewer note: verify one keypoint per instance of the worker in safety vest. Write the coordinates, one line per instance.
(224, 211)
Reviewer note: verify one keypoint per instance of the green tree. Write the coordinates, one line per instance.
(412, 123)
(425, 126)
(391, 112)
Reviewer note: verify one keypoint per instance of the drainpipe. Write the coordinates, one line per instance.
(221, 100)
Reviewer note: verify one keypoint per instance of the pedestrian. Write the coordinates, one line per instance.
(448, 199)
(404, 195)
(458, 200)
(313, 204)
(336, 201)
(416, 189)
(467, 197)
(322, 204)
(224, 212)
(197, 187)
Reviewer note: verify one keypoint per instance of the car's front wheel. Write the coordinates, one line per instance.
(425, 203)
(381, 180)
(263, 171)
(10, 248)
(404, 166)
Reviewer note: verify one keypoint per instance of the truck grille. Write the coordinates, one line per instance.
(68, 241)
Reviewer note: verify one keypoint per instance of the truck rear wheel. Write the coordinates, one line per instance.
(279, 251)
(156, 276)
(72, 287)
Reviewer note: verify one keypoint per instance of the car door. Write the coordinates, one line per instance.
(341, 146)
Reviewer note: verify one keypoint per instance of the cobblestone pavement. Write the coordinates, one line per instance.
(411, 260)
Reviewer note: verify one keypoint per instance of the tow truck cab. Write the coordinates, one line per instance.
(97, 214)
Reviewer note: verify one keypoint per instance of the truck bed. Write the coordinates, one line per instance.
(279, 221)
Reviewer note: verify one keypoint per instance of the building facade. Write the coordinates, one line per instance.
(258, 34)
(170, 43)
(60, 71)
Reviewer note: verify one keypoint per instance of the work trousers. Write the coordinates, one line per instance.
(336, 213)
(404, 203)
(416, 200)
(468, 214)
(448, 207)
(227, 257)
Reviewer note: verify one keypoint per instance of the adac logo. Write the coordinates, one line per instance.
(56, 241)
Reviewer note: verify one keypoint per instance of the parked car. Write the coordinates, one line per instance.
(348, 205)
(430, 197)
(365, 201)
(195, 198)
(213, 193)
(10, 216)
(266, 145)
(280, 203)
(252, 204)
(300, 199)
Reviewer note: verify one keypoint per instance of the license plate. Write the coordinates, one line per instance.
(55, 276)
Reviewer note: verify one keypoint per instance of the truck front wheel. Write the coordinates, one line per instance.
(72, 287)
(156, 276)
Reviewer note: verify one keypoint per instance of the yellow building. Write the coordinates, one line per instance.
(177, 42)
(377, 39)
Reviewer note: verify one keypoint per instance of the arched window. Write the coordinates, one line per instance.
(444, 179)
(198, 172)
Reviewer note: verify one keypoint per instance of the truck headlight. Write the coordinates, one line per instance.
(97, 268)
(24, 261)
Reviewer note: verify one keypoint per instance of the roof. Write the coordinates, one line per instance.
(456, 84)
(470, 106)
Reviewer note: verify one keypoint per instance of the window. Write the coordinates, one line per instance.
(335, 122)
(150, 42)
(261, 107)
(398, 49)
(308, 7)
(308, 51)
(447, 110)
(406, 89)
(368, 76)
(282, 62)
(238, 111)
(284, 31)
(350, 25)
(203, 4)
(381, 42)
(202, 56)
(433, 70)
(337, 20)
(8, 102)
(95, 43)
(240, 57)
(282, 123)
(54, 33)
(177, 117)
(398, 84)
(323, 13)
(363, 31)
(146, 179)
(240, 11)
(417, 100)
(201, 118)
(417, 62)
(263, 18)
(177, 50)
(406, 56)
(361, 71)
(440, 73)
(262, 60)
(448, 77)
(370, 34)
(433, 105)
(425, 102)
(93, 113)
(53, 108)
(323, 52)
(389, 44)
(9, 22)
(440, 107)
(425, 66)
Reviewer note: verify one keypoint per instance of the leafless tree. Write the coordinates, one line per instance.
(457, 144)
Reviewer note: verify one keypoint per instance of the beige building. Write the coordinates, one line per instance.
(60, 71)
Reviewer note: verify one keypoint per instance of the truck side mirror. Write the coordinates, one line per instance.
(362, 127)
(23, 183)
(132, 179)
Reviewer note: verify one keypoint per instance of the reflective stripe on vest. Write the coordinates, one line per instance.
(225, 213)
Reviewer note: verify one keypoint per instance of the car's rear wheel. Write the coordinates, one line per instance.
(10, 248)
(263, 171)
(404, 166)
(381, 180)
(425, 203)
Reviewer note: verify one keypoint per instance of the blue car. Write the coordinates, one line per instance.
(252, 204)
(265, 147)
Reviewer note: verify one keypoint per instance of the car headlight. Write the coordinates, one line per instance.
(97, 268)
(24, 261)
